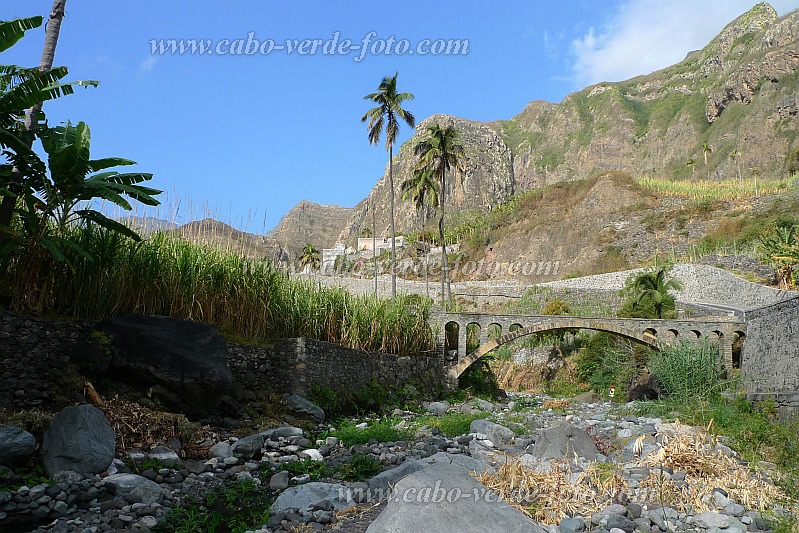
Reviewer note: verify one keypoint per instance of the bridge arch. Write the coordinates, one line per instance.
(647, 337)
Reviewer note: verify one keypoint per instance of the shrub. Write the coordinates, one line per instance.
(360, 467)
(606, 360)
(688, 370)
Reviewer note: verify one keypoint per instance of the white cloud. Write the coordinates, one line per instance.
(646, 35)
(147, 65)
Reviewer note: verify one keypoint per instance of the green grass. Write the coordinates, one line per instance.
(249, 300)
(382, 430)
(688, 370)
(451, 424)
(233, 508)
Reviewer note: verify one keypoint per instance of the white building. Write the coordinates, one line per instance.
(383, 243)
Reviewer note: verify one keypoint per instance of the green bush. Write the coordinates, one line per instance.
(479, 380)
(603, 361)
(688, 370)
(360, 467)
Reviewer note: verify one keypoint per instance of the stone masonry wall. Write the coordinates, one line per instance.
(298, 365)
(34, 354)
(37, 361)
(770, 357)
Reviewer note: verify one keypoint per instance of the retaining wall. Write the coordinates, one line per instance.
(39, 369)
(770, 356)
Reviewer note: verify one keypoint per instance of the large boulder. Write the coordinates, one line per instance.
(78, 439)
(304, 497)
(498, 434)
(564, 440)
(135, 488)
(304, 407)
(445, 497)
(184, 362)
(16, 444)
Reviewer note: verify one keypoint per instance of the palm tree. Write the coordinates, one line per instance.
(691, 164)
(735, 155)
(652, 285)
(706, 151)
(310, 256)
(388, 111)
(439, 150)
(423, 190)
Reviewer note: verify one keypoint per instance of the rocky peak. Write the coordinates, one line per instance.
(486, 181)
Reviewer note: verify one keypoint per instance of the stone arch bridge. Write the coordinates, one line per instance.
(496, 330)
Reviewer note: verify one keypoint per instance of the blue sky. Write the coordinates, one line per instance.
(245, 137)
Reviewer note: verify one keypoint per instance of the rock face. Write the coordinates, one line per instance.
(434, 499)
(486, 181)
(185, 362)
(16, 444)
(738, 93)
(313, 223)
(78, 439)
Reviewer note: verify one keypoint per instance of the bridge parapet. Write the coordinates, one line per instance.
(653, 332)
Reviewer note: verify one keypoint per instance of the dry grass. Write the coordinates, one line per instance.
(705, 467)
(709, 190)
(551, 496)
(139, 427)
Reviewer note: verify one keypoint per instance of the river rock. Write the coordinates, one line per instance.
(564, 440)
(80, 439)
(16, 444)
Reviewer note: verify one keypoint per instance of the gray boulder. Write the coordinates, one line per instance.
(184, 362)
(220, 450)
(282, 431)
(248, 447)
(136, 488)
(305, 407)
(564, 440)
(16, 444)
(80, 439)
(305, 496)
(464, 461)
(438, 408)
(446, 498)
(498, 434)
(165, 456)
(388, 478)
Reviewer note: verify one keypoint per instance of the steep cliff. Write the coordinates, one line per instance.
(486, 181)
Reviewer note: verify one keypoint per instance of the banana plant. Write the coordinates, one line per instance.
(64, 195)
(20, 90)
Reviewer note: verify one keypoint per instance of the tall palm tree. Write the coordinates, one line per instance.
(654, 286)
(735, 155)
(388, 112)
(706, 151)
(439, 150)
(423, 190)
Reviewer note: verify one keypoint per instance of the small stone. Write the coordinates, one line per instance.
(574, 524)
